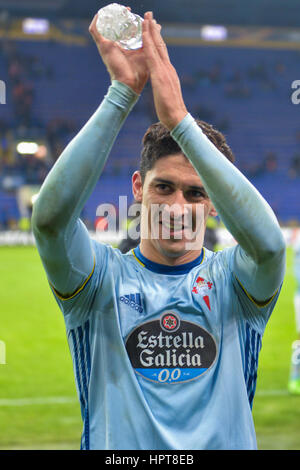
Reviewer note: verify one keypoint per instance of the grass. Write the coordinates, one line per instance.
(38, 364)
(277, 418)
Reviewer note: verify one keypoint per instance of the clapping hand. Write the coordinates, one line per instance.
(168, 100)
(126, 66)
(134, 67)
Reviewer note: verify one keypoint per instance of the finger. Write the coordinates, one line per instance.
(98, 38)
(148, 15)
(92, 26)
(160, 44)
(94, 30)
(151, 54)
(153, 38)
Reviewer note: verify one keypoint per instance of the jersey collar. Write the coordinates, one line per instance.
(165, 269)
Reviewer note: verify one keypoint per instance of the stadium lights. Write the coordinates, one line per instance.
(214, 33)
(34, 198)
(35, 26)
(27, 148)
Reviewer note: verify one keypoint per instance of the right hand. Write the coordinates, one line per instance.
(126, 66)
(168, 100)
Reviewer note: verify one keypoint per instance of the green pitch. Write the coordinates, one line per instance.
(38, 404)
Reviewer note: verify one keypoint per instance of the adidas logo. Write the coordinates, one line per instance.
(133, 300)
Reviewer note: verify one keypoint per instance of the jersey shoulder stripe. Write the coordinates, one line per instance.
(80, 288)
(259, 304)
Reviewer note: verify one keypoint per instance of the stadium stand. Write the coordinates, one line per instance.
(245, 92)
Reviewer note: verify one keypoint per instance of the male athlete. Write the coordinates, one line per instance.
(165, 339)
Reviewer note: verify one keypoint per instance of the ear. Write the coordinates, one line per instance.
(213, 212)
(137, 187)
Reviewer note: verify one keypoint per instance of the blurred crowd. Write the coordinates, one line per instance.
(23, 70)
(15, 169)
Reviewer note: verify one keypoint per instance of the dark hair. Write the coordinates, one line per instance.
(157, 143)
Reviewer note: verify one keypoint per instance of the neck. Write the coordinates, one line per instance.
(152, 251)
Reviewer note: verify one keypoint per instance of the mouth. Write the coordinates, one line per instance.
(172, 229)
(172, 226)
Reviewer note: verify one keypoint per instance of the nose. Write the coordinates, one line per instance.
(178, 207)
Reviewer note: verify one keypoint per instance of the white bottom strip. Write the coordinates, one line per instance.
(66, 400)
(36, 401)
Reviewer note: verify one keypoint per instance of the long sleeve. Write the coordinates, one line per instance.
(260, 256)
(62, 239)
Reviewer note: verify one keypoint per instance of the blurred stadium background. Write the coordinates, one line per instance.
(237, 62)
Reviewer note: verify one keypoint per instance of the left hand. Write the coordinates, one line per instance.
(126, 66)
(168, 100)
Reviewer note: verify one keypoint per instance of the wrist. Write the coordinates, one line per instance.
(122, 95)
(181, 127)
(173, 121)
(128, 84)
(126, 89)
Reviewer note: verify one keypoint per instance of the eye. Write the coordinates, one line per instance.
(196, 194)
(163, 188)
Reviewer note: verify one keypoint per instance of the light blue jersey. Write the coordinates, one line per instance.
(297, 262)
(165, 358)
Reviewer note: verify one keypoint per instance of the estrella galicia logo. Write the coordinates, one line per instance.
(171, 350)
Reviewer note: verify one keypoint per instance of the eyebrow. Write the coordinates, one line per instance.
(171, 183)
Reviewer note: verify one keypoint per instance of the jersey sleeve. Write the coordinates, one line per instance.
(68, 258)
(256, 313)
(61, 238)
(78, 306)
(259, 260)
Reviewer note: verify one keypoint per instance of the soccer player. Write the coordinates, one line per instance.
(294, 380)
(165, 339)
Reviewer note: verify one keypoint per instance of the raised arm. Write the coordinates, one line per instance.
(260, 256)
(62, 239)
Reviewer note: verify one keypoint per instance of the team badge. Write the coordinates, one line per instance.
(201, 284)
(171, 350)
(203, 287)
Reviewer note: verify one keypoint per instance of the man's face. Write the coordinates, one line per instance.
(175, 208)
